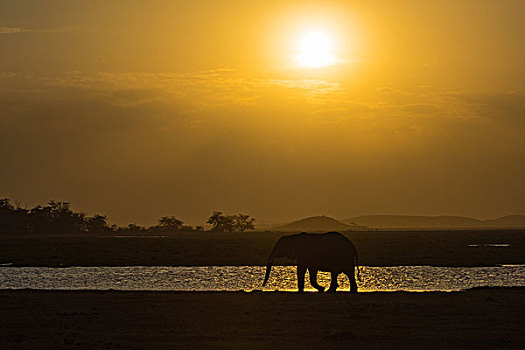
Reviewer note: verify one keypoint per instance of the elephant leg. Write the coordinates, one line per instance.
(351, 277)
(333, 282)
(301, 271)
(313, 280)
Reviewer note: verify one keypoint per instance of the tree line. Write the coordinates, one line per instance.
(58, 217)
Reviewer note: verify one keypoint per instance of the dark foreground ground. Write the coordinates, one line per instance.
(476, 319)
(376, 248)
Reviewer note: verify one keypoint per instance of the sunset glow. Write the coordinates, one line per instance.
(277, 109)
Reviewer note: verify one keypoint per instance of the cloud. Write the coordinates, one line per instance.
(12, 30)
(220, 96)
(227, 88)
(505, 108)
(17, 30)
(220, 136)
(197, 91)
(54, 30)
(314, 87)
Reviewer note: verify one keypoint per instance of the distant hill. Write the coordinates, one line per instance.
(316, 224)
(406, 221)
(516, 221)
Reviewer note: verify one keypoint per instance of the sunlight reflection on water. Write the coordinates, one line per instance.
(234, 278)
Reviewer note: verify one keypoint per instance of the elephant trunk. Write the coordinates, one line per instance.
(270, 260)
(267, 275)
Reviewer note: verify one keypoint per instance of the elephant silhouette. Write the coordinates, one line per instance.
(331, 252)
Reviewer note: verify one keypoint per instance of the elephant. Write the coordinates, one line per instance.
(331, 252)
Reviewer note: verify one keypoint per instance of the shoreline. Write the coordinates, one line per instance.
(6, 265)
(257, 291)
(375, 248)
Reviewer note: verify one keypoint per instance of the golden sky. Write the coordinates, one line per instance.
(139, 109)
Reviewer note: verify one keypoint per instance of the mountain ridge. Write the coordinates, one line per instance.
(440, 221)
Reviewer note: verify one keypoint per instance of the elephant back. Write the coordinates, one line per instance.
(330, 248)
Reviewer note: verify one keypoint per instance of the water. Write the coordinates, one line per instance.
(234, 278)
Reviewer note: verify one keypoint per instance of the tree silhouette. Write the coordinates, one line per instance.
(132, 227)
(96, 223)
(243, 222)
(13, 219)
(230, 223)
(170, 224)
(56, 217)
(221, 222)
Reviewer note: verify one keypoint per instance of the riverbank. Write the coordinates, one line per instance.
(480, 318)
(376, 248)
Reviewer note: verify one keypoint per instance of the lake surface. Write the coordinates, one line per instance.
(234, 278)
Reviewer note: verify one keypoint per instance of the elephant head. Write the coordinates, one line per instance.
(286, 247)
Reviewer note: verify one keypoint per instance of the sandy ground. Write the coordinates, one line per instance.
(476, 319)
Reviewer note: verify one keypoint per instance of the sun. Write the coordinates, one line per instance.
(315, 50)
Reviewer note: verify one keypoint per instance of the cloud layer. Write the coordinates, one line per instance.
(12, 30)
(137, 146)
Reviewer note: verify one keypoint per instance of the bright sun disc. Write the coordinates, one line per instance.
(315, 50)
